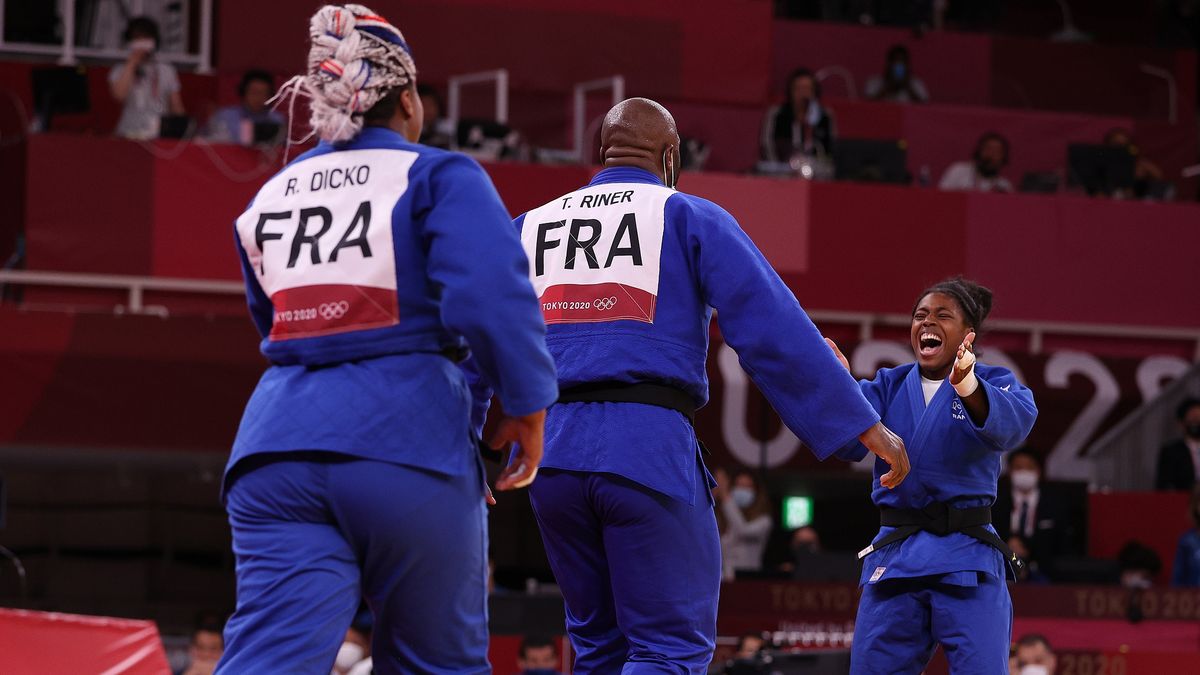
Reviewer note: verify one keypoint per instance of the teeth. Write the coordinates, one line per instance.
(930, 336)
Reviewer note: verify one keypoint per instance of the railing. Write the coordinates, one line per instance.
(68, 52)
(454, 87)
(1124, 458)
(616, 83)
(137, 286)
(1037, 330)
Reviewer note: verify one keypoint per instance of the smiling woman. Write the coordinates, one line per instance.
(935, 573)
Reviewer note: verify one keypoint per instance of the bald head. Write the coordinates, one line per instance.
(637, 132)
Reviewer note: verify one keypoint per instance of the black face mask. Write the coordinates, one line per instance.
(986, 168)
(1193, 430)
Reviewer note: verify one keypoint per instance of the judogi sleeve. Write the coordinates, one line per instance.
(873, 390)
(261, 310)
(1011, 410)
(481, 395)
(477, 260)
(776, 342)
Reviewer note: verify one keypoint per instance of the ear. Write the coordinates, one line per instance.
(407, 103)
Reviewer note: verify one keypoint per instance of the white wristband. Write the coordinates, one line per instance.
(968, 386)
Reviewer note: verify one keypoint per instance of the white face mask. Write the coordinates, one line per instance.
(742, 496)
(1024, 479)
(1035, 670)
(348, 655)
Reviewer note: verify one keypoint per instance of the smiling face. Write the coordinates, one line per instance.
(938, 328)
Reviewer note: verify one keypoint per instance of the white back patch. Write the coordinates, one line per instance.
(595, 255)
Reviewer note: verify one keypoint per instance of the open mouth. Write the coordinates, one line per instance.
(929, 344)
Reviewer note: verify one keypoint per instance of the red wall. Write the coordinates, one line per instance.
(168, 210)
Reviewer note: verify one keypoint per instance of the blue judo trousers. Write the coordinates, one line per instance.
(927, 589)
(371, 267)
(629, 272)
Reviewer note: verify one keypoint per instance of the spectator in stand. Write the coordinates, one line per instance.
(749, 645)
(236, 123)
(897, 83)
(1139, 564)
(1034, 656)
(146, 88)
(801, 125)
(744, 521)
(538, 656)
(982, 172)
(1179, 461)
(1038, 516)
(436, 130)
(1030, 572)
(1186, 572)
(1146, 174)
(205, 649)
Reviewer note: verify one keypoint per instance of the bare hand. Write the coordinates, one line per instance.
(721, 491)
(890, 448)
(838, 353)
(527, 432)
(964, 364)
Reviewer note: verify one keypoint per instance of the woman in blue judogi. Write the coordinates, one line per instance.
(936, 572)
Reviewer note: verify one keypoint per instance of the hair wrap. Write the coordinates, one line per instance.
(355, 59)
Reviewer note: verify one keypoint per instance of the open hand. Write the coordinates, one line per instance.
(890, 448)
(964, 362)
(527, 432)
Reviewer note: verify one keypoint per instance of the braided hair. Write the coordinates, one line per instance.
(356, 59)
(974, 300)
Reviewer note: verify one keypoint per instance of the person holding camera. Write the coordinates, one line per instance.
(146, 87)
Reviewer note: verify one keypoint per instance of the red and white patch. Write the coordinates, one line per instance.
(319, 238)
(595, 255)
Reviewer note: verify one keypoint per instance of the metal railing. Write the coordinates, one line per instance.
(134, 286)
(69, 53)
(137, 286)
(454, 87)
(1037, 330)
(616, 83)
(1126, 456)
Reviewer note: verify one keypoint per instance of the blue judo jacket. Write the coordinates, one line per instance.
(367, 264)
(628, 273)
(953, 460)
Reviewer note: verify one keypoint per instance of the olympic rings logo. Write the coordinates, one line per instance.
(604, 304)
(333, 310)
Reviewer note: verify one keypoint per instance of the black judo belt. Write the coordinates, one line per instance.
(659, 395)
(942, 519)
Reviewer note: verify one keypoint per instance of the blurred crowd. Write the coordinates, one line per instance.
(798, 138)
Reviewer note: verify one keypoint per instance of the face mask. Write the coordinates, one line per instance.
(348, 655)
(743, 496)
(1024, 480)
(986, 168)
(1193, 430)
(899, 70)
(1035, 670)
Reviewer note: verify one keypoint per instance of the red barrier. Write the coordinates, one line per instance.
(667, 49)
(34, 643)
(1156, 519)
(100, 205)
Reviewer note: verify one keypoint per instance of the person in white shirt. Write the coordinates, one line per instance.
(982, 172)
(146, 88)
(743, 516)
